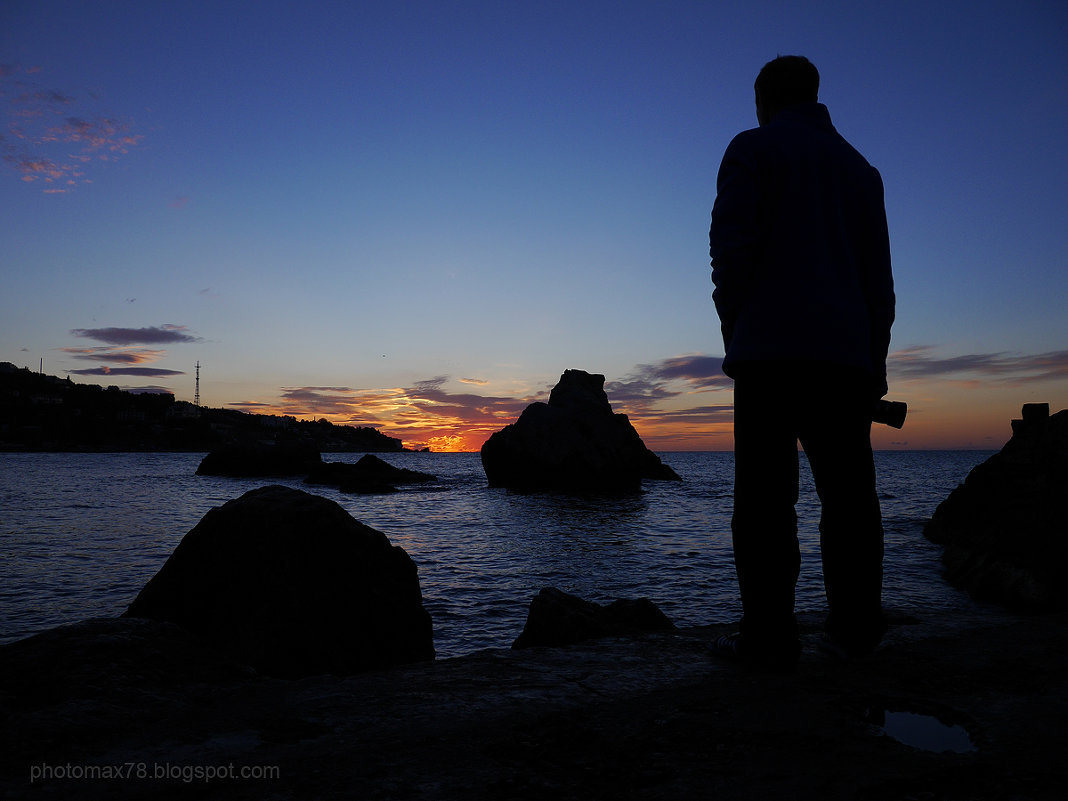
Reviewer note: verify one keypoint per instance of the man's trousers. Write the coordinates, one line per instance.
(828, 410)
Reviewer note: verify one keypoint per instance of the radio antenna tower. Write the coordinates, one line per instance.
(196, 395)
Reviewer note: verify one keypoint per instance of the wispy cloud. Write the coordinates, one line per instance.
(138, 371)
(124, 350)
(431, 397)
(148, 389)
(319, 401)
(33, 102)
(111, 354)
(153, 335)
(52, 137)
(645, 390)
(921, 361)
(100, 138)
(698, 369)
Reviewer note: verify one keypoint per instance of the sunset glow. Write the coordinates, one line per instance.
(685, 404)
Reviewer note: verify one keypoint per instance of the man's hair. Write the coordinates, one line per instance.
(787, 81)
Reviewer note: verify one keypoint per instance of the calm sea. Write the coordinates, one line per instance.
(80, 534)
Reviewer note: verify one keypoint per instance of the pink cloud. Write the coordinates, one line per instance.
(56, 154)
(93, 135)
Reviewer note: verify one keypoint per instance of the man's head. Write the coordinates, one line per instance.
(786, 81)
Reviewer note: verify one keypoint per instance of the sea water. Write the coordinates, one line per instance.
(80, 534)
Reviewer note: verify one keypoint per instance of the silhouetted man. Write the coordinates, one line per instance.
(801, 264)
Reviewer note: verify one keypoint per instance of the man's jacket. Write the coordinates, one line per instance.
(800, 250)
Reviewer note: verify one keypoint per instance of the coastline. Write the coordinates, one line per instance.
(648, 717)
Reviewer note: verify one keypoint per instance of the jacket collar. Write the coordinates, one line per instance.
(806, 114)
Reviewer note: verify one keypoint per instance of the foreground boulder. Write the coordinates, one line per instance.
(557, 618)
(573, 443)
(291, 584)
(258, 461)
(369, 475)
(1005, 529)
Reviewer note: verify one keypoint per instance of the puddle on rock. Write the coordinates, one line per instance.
(925, 732)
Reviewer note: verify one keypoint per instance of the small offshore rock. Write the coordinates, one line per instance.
(557, 618)
(369, 475)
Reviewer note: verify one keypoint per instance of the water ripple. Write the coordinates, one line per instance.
(80, 534)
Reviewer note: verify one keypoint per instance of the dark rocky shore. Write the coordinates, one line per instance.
(237, 703)
(647, 717)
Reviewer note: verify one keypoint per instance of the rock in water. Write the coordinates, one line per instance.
(1005, 529)
(573, 443)
(557, 618)
(291, 584)
(258, 461)
(368, 475)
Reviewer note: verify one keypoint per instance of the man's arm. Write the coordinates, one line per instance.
(879, 289)
(732, 236)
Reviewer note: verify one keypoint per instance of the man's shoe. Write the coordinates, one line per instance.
(727, 646)
(730, 647)
(833, 649)
(842, 651)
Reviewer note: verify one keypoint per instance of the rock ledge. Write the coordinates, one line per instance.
(652, 717)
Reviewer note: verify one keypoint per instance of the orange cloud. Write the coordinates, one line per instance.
(428, 414)
(423, 415)
(685, 403)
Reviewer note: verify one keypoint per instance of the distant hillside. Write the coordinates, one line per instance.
(46, 413)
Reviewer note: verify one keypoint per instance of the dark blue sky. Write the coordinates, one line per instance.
(416, 214)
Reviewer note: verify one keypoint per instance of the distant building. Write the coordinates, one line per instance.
(183, 410)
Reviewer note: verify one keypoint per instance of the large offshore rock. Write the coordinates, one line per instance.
(572, 443)
(1005, 529)
(291, 584)
(557, 618)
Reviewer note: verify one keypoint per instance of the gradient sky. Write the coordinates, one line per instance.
(417, 215)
